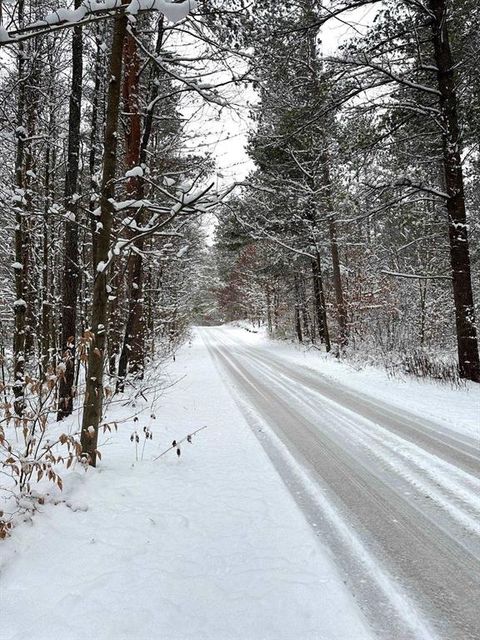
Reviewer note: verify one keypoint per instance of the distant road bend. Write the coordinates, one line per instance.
(394, 496)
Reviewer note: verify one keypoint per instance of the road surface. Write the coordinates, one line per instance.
(395, 497)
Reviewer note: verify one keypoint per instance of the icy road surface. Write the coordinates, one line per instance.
(395, 496)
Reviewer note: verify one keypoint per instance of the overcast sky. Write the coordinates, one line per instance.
(229, 137)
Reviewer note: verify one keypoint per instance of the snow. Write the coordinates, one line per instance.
(173, 11)
(4, 36)
(207, 546)
(211, 545)
(455, 408)
(130, 204)
(135, 172)
(182, 251)
(65, 15)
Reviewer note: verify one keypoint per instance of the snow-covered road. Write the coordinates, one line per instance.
(395, 495)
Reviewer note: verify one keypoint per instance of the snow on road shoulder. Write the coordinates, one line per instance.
(455, 408)
(208, 546)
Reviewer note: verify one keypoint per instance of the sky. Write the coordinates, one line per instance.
(224, 134)
(229, 137)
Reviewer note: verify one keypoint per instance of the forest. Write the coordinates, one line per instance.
(355, 229)
(344, 218)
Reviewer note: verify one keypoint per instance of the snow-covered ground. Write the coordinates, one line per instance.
(318, 496)
(208, 546)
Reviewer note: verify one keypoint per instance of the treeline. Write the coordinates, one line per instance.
(359, 228)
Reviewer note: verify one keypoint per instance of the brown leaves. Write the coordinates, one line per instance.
(5, 527)
(35, 457)
(84, 344)
(87, 337)
(43, 421)
(108, 426)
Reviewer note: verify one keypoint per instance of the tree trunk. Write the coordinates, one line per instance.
(20, 306)
(337, 276)
(132, 357)
(298, 322)
(95, 123)
(93, 404)
(276, 311)
(305, 318)
(467, 342)
(319, 296)
(133, 347)
(269, 309)
(115, 319)
(70, 269)
(29, 257)
(47, 271)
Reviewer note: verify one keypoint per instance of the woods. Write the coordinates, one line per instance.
(240, 288)
(355, 230)
(365, 182)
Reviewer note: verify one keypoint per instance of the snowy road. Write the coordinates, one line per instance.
(396, 497)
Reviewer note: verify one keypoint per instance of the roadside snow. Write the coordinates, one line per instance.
(455, 408)
(208, 546)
